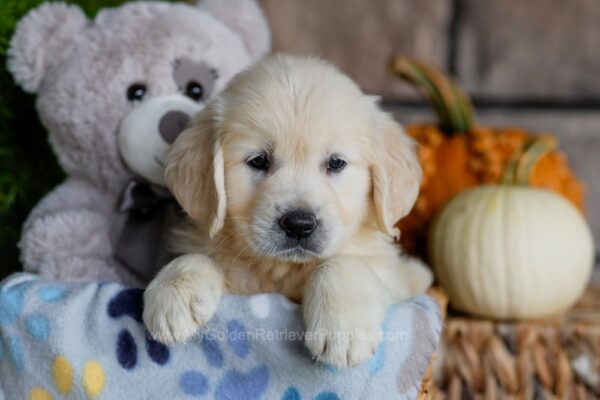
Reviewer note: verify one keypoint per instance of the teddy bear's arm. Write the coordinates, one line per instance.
(67, 236)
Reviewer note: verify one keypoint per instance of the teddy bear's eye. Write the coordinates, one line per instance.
(136, 92)
(194, 90)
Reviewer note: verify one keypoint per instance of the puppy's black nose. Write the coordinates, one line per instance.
(172, 124)
(298, 224)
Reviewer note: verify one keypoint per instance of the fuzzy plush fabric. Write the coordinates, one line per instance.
(87, 341)
(80, 71)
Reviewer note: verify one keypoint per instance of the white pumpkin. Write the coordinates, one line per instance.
(508, 251)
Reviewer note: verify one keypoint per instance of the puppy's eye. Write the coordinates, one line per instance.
(136, 92)
(335, 164)
(259, 162)
(194, 90)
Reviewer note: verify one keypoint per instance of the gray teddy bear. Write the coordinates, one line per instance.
(114, 93)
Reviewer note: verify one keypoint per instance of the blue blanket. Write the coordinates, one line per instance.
(85, 341)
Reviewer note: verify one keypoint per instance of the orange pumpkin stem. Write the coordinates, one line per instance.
(520, 167)
(451, 104)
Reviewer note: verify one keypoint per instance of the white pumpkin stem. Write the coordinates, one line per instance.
(519, 168)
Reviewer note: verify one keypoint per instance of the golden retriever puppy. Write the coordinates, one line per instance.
(293, 180)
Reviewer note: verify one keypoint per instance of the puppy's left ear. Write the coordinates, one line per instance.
(396, 174)
(195, 172)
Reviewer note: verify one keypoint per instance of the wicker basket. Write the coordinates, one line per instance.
(557, 358)
(428, 386)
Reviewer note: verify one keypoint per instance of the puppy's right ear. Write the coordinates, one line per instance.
(396, 174)
(195, 172)
(39, 41)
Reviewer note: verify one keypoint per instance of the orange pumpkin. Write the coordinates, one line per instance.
(456, 154)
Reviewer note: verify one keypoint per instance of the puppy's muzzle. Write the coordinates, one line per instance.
(298, 224)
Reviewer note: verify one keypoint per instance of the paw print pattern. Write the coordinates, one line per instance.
(212, 351)
(16, 352)
(193, 383)
(130, 303)
(11, 302)
(293, 393)
(52, 293)
(36, 325)
(260, 306)
(327, 396)
(238, 385)
(233, 384)
(62, 372)
(158, 352)
(93, 380)
(39, 328)
(38, 393)
(238, 340)
(376, 362)
(126, 350)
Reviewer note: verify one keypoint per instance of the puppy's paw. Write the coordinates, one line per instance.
(417, 275)
(343, 339)
(344, 306)
(182, 298)
(174, 313)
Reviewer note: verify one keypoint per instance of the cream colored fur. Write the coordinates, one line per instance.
(300, 111)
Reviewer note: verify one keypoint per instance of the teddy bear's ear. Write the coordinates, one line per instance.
(38, 40)
(246, 18)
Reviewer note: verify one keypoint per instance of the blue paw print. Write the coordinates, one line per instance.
(233, 384)
(212, 351)
(294, 394)
(193, 383)
(52, 293)
(130, 303)
(238, 340)
(237, 385)
(11, 302)
(126, 350)
(291, 394)
(376, 362)
(38, 326)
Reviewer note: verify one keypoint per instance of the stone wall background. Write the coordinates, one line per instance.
(533, 63)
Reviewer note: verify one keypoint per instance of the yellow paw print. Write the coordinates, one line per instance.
(62, 374)
(38, 393)
(92, 380)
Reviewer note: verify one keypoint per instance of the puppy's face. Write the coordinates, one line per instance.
(296, 188)
(294, 159)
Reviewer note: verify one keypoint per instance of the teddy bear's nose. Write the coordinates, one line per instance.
(172, 124)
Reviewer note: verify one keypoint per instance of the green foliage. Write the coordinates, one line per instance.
(28, 169)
